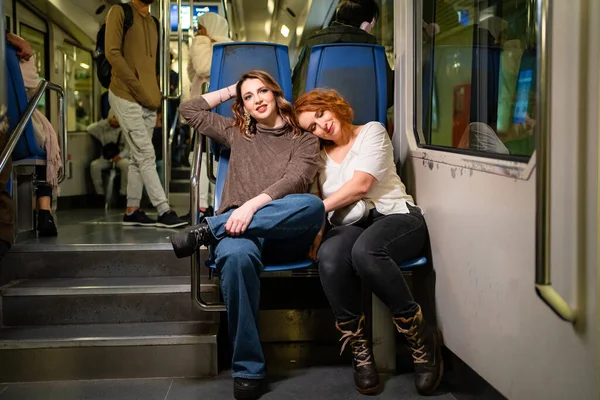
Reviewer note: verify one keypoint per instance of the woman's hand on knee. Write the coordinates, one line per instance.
(239, 220)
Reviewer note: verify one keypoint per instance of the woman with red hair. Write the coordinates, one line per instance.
(374, 225)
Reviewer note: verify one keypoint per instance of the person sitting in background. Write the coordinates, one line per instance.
(352, 23)
(115, 150)
(212, 28)
(46, 138)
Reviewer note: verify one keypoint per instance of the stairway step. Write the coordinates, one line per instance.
(181, 173)
(180, 200)
(99, 263)
(146, 334)
(139, 350)
(179, 186)
(97, 286)
(102, 301)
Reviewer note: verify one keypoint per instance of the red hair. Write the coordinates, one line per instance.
(326, 100)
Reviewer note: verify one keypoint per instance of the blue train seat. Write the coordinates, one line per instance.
(357, 72)
(232, 60)
(27, 147)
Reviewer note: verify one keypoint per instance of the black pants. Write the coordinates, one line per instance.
(370, 254)
(43, 189)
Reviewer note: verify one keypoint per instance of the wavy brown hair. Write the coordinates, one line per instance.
(319, 100)
(284, 107)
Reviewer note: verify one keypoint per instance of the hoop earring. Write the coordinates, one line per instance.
(247, 122)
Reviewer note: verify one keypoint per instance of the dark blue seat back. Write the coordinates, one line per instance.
(357, 72)
(27, 146)
(232, 60)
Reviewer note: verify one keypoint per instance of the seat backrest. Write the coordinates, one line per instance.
(221, 176)
(357, 71)
(27, 146)
(232, 60)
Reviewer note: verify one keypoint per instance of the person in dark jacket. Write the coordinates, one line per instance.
(352, 23)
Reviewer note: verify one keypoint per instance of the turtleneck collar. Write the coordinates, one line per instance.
(280, 131)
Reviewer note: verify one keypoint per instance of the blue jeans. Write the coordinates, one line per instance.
(280, 231)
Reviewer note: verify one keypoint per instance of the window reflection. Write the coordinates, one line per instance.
(79, 88)
(36, 40)
(478, 75)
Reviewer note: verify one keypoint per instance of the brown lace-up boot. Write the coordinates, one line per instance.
(366, 379)
(425, 342)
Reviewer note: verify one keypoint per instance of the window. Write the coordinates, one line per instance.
(79, 88)
(477, 73)
(37, 41)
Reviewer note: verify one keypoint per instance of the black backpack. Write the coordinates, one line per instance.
(103, 67)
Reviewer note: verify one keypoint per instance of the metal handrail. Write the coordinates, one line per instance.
(210, 161)
(543, 285)
(172, 133)
(18, 132)
(194, 207)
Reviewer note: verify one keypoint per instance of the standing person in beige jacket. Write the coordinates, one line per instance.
(212, 28)
(134, 96)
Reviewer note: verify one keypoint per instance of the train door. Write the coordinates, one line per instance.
(489, 212)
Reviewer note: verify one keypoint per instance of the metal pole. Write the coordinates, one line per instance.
(164, 74)
(3, 95)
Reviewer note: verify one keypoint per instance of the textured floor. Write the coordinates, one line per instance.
(331, 383)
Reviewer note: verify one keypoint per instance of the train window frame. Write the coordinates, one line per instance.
(63, 51)
(408, 17)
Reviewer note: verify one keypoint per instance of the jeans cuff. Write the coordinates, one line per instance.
(245, 375)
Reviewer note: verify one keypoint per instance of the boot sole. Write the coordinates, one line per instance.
(441, 375)
(178, 243)
(368, 391)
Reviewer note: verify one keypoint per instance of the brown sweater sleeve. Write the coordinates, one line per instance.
(114, 55)
(300, 171)
(198, 115)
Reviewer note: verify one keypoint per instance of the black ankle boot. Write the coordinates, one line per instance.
(425, 343)
(366, 378)
(186, 242)
(45, 224)
(247, 389)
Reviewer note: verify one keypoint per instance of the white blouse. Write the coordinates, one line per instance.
(371, 152)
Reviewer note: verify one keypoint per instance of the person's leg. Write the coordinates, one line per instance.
(123, 166)
(148, 169)
(45, 221)
(7, 205)
(287, 218)
(96, 168)
(239, 263)
(280, 219)
(343, 289)
(130, 117)
(376, 254)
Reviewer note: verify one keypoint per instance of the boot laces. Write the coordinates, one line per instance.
(358, 344)
(419, 353)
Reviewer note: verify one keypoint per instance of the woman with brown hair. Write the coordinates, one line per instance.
(265, 213)
(374, 225)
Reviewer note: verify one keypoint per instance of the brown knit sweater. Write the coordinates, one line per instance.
(273, 162)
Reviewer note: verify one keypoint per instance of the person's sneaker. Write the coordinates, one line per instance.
(187, 242)
(170, 219)
(45, 224)
(138, 218)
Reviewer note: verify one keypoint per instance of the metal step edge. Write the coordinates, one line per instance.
(96, 335)
(99, 286)
(51, 247)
